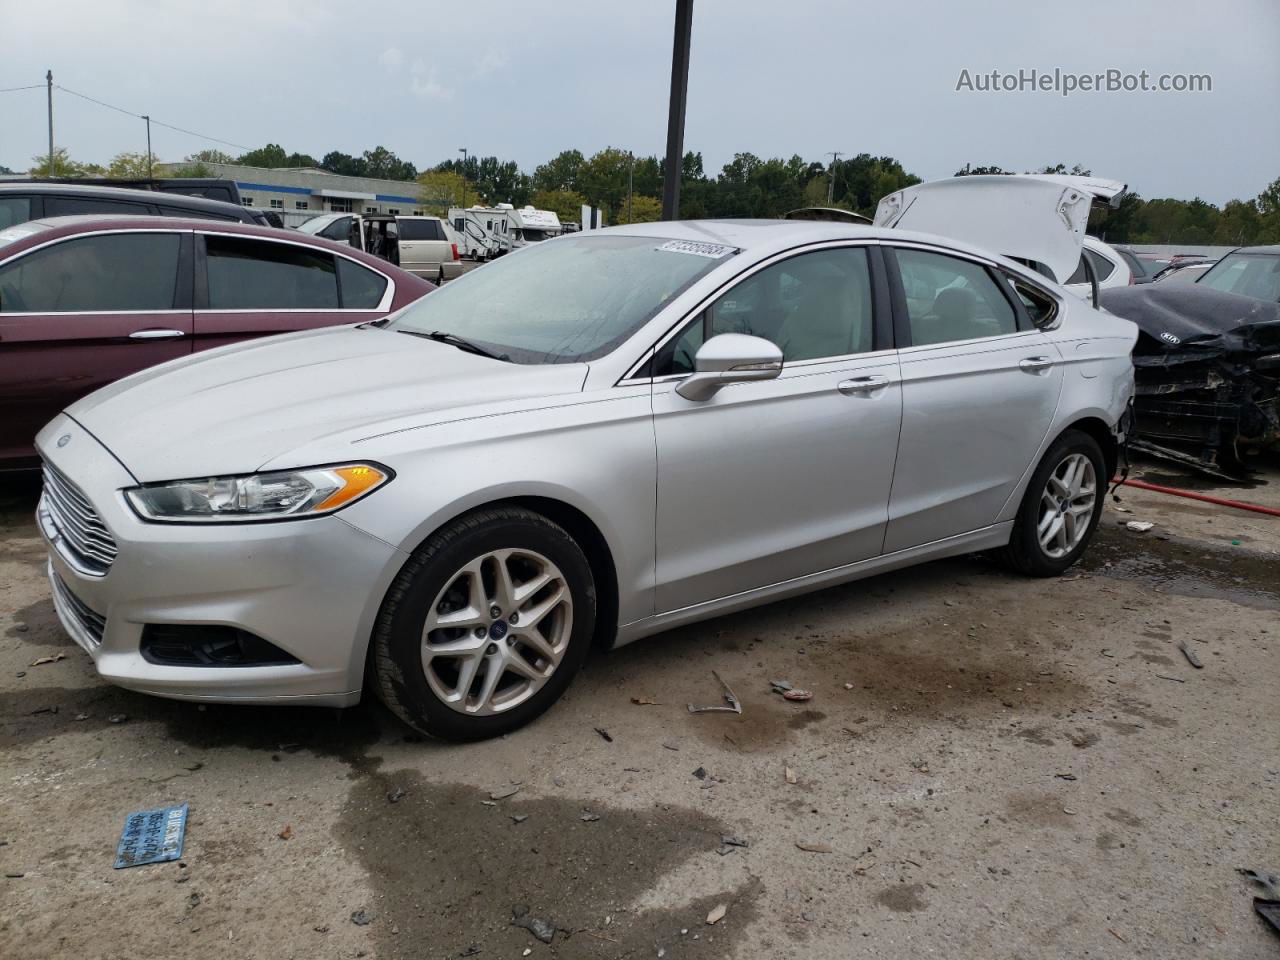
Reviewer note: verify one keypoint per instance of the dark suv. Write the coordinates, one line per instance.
(20, 202)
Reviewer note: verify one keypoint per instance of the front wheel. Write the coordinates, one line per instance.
(485, 626)
(1061, 508)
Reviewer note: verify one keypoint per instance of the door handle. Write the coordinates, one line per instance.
(156, 334)
(861, 386)
(1035, 364)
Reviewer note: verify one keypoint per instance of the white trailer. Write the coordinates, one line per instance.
(485, 231)
(529, 225)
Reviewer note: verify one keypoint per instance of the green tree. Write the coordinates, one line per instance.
(209, 156)
(343, 164)
(603, 179)
(442, 189)
(565, 204)
(638, 209)
(272, 155)
(63, 165)
(969, 171)
(129, 166)
(385, 165)
(560, 172)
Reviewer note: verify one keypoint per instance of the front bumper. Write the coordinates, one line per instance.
(311, 587)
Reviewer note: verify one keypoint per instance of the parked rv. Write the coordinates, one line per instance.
(485, 231)
(530, 225)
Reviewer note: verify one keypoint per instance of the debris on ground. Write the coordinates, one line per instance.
(396, 795)
(813, 846)
(1192, 657)
(848, 686)
(670, 746)
(362, 918)
(780, 686)
(1138, 526)
(544, 930)
(519, 818)
(1268, 880)
(645, 702)
(286, 833)
(729, 844)
(734, 705)
(717, 913)
(588, 817)
(1065, 776)
(789, 775)
(503, 792)
(152, 836)
(118, 718)
(604, 734)
(798, 695)
(41, 661)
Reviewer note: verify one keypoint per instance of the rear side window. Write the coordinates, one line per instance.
(421, 230)
(1041, 308)
(121, 271)
(362, 289)
(249, 274)
(75, 206)
(951, 299)
(14, 210)
(1102, 268)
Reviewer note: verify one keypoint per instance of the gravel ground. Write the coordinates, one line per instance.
(989, 767)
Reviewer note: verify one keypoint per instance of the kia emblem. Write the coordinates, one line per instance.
(64, 439)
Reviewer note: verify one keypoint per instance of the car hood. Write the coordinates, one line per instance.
(1196, 322)
(235, 409)
(1032, 217)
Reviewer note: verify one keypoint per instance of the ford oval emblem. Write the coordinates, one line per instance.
(64, 439)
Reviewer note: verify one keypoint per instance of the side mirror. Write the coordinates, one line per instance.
(730, 358)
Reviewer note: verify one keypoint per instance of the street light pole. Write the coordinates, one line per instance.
(631, 181)
(675, 115)
(48, 79)
(463, 151)
(831, 181)
(150, 171)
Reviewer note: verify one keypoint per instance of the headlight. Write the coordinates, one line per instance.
(286, 495)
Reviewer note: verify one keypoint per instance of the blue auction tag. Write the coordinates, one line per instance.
(152, 836)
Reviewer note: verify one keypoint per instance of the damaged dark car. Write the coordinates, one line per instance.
(1207, 363)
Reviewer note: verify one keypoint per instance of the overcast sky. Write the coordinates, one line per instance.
(523, 80)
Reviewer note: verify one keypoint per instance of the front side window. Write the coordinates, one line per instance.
(260, 275)
(569, 301)
(812, 306)
(362, 289)
(14, 210)
(76, 206)
(951, 299)
(112, 272)
(1254, 275)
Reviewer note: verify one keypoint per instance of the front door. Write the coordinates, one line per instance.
(82, 313)
(979, 391)
(773, 480)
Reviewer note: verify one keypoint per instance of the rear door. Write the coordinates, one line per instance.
(423, 247)
(82, 312)
(248, 286)
(980, 386)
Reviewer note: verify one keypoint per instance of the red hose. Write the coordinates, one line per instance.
(1173, 491)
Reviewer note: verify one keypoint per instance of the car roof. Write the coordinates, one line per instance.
(34, 232)
(1273, 249)
(117, 193)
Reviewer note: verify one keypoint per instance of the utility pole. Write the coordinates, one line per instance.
(48, 79)
(150, 173)
(831, 181)
(631, 181)
(675, 115)
(463, 151)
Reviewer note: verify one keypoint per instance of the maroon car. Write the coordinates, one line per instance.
(88, 300)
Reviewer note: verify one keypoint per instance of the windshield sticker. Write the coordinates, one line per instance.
(713, 251)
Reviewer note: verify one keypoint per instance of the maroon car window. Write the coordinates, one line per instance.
(263, 275)
(362, 289)
(118, 271)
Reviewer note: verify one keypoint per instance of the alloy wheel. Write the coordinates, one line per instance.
(497, 631)
(1066, 505)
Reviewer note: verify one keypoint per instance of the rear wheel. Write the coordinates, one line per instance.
(1061, 508)
(485, 626)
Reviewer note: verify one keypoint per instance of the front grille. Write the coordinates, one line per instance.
(81, 535)
(89, 621)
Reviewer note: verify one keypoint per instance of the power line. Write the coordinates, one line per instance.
(158, 123)
(34, 86)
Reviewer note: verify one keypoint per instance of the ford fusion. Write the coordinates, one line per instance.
(582, 444)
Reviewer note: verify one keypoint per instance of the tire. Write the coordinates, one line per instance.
(1026, 553)
(425, 640)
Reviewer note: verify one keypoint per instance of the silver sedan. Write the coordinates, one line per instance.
(585, 443)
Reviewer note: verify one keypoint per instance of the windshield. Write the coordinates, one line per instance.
(564, 302)
(1254, 275)
(534, 235)
(316, 224)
